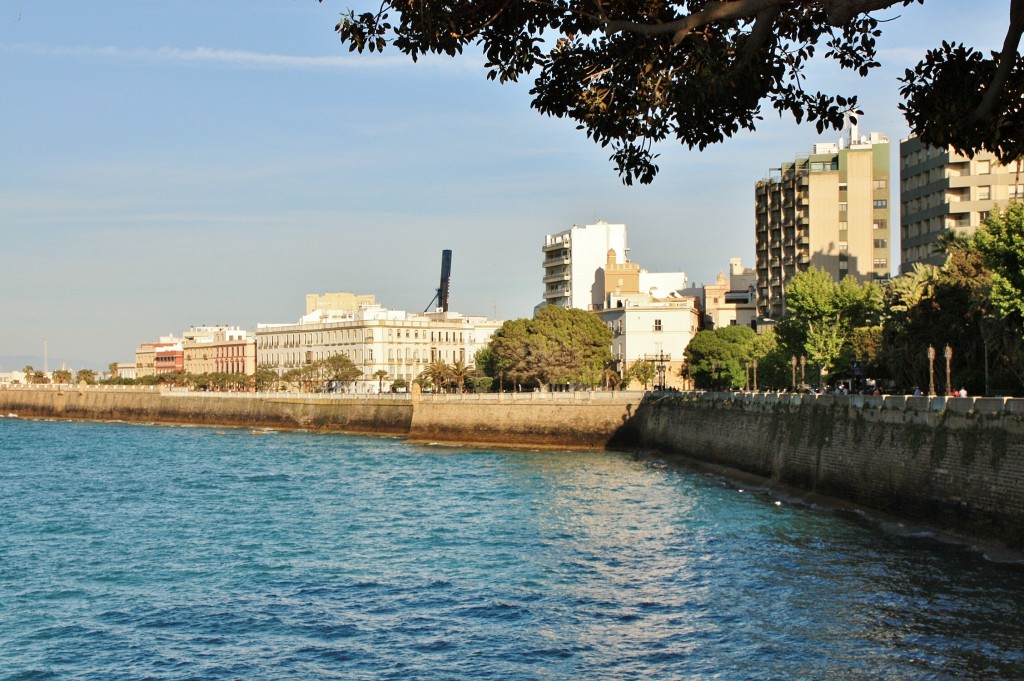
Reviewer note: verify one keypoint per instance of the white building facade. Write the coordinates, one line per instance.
(574, 263)
(650, 329)
(374, 339)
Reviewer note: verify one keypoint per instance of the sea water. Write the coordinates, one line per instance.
(131, 552)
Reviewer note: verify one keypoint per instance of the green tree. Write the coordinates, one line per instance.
(31, 375)
(336, 369)
(380, 375)
(1000, 240)
(642, 372)
(437, 374)
(459, 373)
(265, 378)
(509, 352)
(610, 378)
(821, 316)
(87, 375)
(631, 74)
(399, 385)
(718, 358)
(62, 376)
(773, 365)
(480, 384)
(176, 378)
(557, 346)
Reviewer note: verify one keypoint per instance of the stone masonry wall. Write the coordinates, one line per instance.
(954, 463)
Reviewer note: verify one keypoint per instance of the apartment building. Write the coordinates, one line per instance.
(574, 261)
(160, 357)
(652, 317)
(732, 299)
(219, 350)
(583, 265)
(829, 209)
(374, 338)
(941, 191)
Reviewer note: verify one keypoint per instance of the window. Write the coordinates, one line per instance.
(881, 263)
(984, 167)
(881, 203)
(843, 247)
(842, 207)
(1017, 191)
(983, 215)
(878, 184)
(984, 193)
(879, 224)
(881, 243)
(657, 325)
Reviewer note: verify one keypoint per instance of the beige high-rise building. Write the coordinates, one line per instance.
(829, 210)
(941, 190)
(342, 301)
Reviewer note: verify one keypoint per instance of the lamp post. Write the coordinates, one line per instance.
(948, 354)
(931, 370)
(803, 370)
(792, 365)
(746, 376)
(755, 375)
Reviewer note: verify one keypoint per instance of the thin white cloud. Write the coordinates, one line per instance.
(241, 58)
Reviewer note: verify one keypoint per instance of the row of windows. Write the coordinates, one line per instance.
(877, 203)
(338, 337)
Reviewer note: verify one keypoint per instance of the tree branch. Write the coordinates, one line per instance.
(839, 12)
(760, 33)
(683, 26)
(1007, 60)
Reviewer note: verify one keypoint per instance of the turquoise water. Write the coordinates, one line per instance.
(130, 552)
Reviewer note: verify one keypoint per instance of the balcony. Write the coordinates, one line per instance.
(561, 276)
(556, 261)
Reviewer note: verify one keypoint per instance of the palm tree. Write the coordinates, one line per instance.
(611, 379)
(380, 375)
(459, 372)
(438, 373)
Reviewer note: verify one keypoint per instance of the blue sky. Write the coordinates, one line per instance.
(175, 164)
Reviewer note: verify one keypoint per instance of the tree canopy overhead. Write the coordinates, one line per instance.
(631, 73)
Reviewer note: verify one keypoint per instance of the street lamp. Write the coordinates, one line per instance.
(931, 370)
(755, 375)
(792, 365)
(803, 370)
(746, 376)
(948, 354)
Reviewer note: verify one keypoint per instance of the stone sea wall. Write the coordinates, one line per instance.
(385, 415)
(957, 463)
(564, 420)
